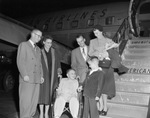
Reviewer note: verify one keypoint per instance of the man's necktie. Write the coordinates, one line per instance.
(83, 52)
(35, 47)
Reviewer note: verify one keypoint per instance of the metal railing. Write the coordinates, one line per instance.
(122, 35)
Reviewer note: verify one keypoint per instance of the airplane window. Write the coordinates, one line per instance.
(74, 24)
(109, 20)
(45, 27)
(59, 25)
(90, 22)
(145, 8)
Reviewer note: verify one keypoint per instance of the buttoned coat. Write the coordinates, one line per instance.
(29, 62)
(79, 63)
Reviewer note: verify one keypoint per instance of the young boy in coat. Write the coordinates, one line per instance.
(92, 88)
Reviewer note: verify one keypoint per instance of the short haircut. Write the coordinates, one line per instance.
(79, 35)
(32, 32)
(92, 58)
(47, 37)
(35, 30)
(70, 70)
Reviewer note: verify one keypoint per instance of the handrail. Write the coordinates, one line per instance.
(121, 35)
(133, 7)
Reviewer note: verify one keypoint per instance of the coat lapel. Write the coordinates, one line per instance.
(87, 52)
(30, 45)
(45, 58)
(80, 54)
(53, 69)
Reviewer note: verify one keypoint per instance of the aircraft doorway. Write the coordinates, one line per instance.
(145, 28)
(144, 19)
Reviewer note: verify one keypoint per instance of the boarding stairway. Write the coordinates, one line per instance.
(132, 98)
(133, 88)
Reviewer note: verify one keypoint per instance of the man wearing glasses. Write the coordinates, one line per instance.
(31, 74)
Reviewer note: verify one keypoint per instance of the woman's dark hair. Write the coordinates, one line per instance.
(47, 37)
(99, 27)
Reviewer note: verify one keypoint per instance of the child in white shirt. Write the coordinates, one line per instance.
(67, 92)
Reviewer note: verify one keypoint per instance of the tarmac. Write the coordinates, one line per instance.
(9, 105)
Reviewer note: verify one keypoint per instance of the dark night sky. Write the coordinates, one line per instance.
(19, 8)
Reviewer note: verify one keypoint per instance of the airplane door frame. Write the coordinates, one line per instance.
(133, 6)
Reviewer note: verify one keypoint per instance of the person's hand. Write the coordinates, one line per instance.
(59, 71)
(100, 68)
(100, 57)
(42, 80)
(26, 78)
(78, 77)
(59, 75)
(80, 88)
(97, 98)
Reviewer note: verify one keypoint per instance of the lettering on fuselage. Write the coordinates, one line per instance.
(73, 17)
(69, 16)
(141, 42)
(46, 24)
(94, 13)
(55, 18)
(103, 12)
(84, 15)
(61, 18)
(139, 71)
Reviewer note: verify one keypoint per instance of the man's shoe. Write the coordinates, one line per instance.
(104, 113)
(100, 112)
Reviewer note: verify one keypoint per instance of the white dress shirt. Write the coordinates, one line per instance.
(68, 88)
(32, 43)
(84, 54)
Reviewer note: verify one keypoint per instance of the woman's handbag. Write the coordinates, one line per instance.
(104, 63)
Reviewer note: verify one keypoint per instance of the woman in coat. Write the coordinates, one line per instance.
(109, 59)
(51, 70)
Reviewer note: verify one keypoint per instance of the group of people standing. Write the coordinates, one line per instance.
(109, 60)
(39, 70)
